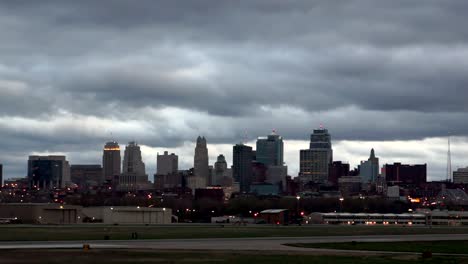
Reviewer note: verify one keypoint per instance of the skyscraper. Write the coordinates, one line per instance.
(200, 166)
(48, 172)
(167, 164)
(242, 166)
(1, 175)
(134, 175)
(111, 161)
(369, 170)
(314, 162)
(222, 174)
(270, 150)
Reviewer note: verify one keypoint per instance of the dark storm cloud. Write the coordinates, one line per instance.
(166, 71)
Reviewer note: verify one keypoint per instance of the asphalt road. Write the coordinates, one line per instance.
(241, 244)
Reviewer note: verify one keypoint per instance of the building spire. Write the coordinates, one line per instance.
(449, 161)
(372, 154)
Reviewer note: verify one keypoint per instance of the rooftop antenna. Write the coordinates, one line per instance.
(244, 138)
(449, 161)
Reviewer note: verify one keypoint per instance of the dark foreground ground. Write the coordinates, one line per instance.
(449, 247)
(176, 231)
(144, 256)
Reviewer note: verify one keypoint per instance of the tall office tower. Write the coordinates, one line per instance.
(167, 164)
(48, 172)
(314, 162)
(270, 150)
(369, 170)
(221, 172)
(1, 175)
(133, 176)
(86, 176)
(200, 166)
(111, 161)
(242, 166)
(404, 174)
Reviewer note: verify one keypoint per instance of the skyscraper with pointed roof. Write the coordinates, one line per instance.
(369, 170)
(200, 164)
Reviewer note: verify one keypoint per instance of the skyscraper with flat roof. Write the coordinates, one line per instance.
(242, 166)
(270, 150)
(111, 161)
(315, 161)
(48, 172)
(167, 164)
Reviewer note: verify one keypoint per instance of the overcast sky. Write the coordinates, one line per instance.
(392, 75)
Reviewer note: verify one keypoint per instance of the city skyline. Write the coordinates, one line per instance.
(389, 76)
(291, 156)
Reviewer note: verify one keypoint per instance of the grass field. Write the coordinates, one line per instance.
(451, 247)
(141, 257)
(99, 232)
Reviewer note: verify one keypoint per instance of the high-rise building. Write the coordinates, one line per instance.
(314, 162)
(337, 170)
(134, 175)
(270, 150)
(220, 171)
(1, 175)
(242, 166)
(86, 176)
(200, 166)
(111, 161)
(167, 164)
(403, 174)
(460, 176)
(369, 170)
(48, 172)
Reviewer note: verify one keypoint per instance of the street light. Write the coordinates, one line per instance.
(341, 204)
(297, 210)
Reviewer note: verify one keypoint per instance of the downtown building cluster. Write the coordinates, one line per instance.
(259, 172)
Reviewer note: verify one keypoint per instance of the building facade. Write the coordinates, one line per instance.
(369, 170)
(48, 172)
(167, 164)
(460, 176)
(200, 164)
(134, 175)
(242, 166)
(86, 176)
(222, 175)
(337, 170)
(404, 174)
(314, 162)
(1, 175)
(111, 161)
(270, 150)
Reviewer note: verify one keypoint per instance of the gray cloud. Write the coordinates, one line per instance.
(163, 72)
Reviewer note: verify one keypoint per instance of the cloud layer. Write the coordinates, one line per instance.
(388, 74)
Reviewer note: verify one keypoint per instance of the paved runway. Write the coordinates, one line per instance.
(262, 244)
